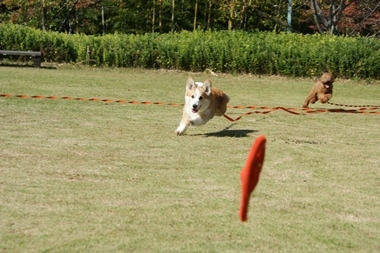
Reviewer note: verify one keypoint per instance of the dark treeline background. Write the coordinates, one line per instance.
(97, 17)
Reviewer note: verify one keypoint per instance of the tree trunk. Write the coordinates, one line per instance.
(153, 14)
(289, 16)
(160, 17)
(173, 8)
(103, 26)
(330, 22)
(209, 14)
(43, 21)
(231, 14)
(67, 16)
(245, 15)
(195, 15)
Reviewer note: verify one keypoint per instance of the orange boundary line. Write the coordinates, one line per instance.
(254, 109)
(366, 106)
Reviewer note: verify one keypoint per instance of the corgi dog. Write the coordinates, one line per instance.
(202, 103)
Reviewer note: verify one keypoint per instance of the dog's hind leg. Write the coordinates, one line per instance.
(221, 110)
(324, 98)
(222, 106)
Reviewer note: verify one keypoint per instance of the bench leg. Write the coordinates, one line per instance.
(37, 61)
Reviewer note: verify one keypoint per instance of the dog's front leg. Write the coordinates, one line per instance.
(181, 129)
(196, 121)
(183, 125)
(311, 98)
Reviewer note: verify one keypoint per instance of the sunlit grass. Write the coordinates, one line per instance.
(81, 176)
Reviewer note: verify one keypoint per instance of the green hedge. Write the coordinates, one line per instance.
(233, 52)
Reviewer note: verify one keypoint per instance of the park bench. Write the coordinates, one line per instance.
(37, 56)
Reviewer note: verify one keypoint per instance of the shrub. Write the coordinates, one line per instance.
(235, 52)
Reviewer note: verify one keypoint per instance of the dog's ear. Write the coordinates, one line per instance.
(189, 83)
(207, 87)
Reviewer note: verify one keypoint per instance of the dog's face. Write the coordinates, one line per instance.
(327, 79)
(197, 95)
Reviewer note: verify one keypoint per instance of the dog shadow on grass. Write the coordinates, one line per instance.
(227, 132)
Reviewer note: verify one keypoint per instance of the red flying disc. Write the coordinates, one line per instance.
(250, 173)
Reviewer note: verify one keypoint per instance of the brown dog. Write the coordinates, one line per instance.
(322, 90)
(202, 103)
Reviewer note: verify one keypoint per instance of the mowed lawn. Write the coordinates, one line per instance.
(86, 176)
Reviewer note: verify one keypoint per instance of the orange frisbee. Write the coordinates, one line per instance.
(250, 173)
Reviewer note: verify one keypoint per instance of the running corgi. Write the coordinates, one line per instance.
(202, 103)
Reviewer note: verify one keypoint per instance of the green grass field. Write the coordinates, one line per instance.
(81, 176)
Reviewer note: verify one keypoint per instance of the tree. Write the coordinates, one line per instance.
(348, 17)
(327, 16)
(362, 18)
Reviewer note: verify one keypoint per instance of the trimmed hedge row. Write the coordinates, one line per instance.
(234, 52)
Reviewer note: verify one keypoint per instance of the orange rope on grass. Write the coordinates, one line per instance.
(253, 109)
(362, 106)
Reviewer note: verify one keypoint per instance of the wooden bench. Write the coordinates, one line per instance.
(37, 56)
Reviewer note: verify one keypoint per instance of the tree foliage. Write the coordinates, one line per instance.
(341, 17)
(355, 17)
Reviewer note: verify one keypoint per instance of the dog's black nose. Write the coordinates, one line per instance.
(194, 106)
